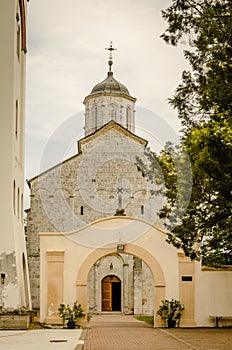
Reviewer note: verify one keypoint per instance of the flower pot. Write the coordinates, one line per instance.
(171, 323)
(71, 324)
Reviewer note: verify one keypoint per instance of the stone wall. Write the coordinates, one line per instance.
(89, 186)
(137, 285)
(14, 321)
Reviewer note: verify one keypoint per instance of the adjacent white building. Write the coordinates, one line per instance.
(14, 282)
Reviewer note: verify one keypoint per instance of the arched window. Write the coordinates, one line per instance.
(14, 196)
(16, 118)
(142, 209)
(22, 25)
(127, 117)
(18, 41)
(18, 203)
(82, 210)
(95, 117)
(113, 112)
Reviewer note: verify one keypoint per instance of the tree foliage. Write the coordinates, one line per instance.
(206, 26)
(204, 104)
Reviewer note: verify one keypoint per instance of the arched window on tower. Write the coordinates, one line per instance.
(113, 112)
(95, 117)
(127, 117)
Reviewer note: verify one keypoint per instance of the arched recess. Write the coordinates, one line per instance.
(109, 265)
(137, 251)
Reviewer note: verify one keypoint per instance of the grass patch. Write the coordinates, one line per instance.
(89, 317)
(147, 319)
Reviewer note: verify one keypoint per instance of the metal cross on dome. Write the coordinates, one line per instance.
(110, 49)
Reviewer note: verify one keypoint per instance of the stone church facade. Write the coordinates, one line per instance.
(94, 235)
(93, 184)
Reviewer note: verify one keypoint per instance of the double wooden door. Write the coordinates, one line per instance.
(111, 293)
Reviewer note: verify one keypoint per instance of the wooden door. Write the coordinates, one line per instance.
(106, 296)
(109, 303)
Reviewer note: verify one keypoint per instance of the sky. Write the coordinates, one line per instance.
(67, 57)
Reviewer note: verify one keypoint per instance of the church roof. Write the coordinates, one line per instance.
(105, 128)
(110, 85)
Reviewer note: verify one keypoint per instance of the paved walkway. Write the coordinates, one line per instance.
(121, 332)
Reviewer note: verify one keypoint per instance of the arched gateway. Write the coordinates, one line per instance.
(66, 259)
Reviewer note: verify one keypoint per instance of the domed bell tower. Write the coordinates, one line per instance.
(108, 101)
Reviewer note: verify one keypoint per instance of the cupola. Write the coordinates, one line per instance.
(109, 100)
(110, 85)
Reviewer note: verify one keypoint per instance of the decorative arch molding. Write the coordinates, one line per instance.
(23, 26)
(130, 249)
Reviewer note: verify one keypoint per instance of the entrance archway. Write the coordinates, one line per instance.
(111, 293)
(131, 249)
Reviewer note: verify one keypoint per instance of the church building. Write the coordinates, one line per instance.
(93, 232)
(102, 178)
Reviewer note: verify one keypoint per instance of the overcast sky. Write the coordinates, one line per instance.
(67, 57)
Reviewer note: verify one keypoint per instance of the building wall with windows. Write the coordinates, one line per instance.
(14, 283)
(102, 177)
(99, 110)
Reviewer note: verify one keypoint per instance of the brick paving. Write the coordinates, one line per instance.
(116, 332)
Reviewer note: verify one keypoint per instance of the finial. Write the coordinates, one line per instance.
(110, 49)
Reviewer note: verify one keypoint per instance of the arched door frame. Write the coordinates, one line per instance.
(131, 249)
(109, 278)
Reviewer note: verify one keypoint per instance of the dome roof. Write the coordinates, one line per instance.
(110, 85)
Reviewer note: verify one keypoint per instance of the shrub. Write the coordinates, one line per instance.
(71, 315)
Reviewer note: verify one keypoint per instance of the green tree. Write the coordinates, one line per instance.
(204, 104)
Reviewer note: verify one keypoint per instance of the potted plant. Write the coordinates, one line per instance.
(170, 312)
(71, 315)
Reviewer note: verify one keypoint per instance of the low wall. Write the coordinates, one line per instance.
(213, 297)
(14, 321)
